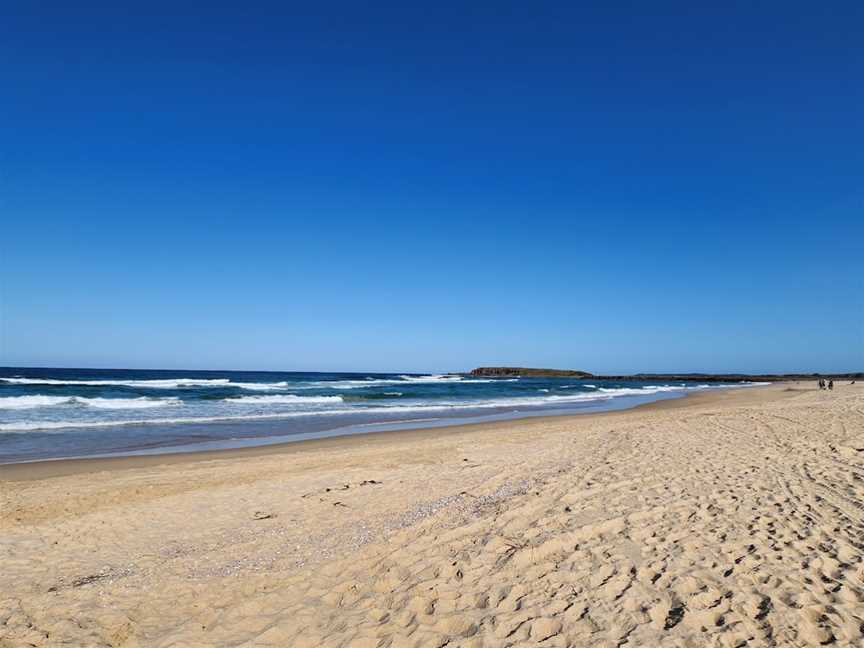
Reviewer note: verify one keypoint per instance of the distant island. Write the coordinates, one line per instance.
(531, 372)
(510, 372)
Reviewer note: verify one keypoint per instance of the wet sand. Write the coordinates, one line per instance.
(725, 518)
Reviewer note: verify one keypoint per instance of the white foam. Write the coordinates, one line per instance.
(637, 391)
(452, 378)
(350, 384)
(30, 426)
(407, 408)
(30, 402)
(26, 426)
(173, 383)
(432, 378)
(184, 383)
(164, 384)
(127, 403)
(401, 380)
(283, 399)
(259, 386)
(39, 400)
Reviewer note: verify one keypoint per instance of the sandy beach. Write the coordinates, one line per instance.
(730, 518)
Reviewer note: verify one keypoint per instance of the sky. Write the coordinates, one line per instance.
(613, 187)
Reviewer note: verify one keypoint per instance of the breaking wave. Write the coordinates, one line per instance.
(30, 402)
(284, 399)
(174, 383)
(320, 409)
(37, 401)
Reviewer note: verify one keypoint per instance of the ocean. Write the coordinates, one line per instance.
(62, 413)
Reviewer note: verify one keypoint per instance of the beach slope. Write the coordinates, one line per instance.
(724, 519)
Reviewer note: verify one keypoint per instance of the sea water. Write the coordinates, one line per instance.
(56, 413)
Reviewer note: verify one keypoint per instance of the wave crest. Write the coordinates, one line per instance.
(30, 402)
(39, 400)
(172, 383)
(284, 399)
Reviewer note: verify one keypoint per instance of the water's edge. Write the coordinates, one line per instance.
(620, 404)
(52, 414)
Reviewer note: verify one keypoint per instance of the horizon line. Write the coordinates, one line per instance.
(429, 372)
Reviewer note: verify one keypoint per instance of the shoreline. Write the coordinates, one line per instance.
(724, 518)
(56, 414)
(48, 468)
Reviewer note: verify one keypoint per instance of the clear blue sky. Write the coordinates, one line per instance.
(620, 187)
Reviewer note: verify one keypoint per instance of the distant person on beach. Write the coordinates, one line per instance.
(831, 385)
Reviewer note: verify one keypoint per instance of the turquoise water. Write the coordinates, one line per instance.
(54, 413)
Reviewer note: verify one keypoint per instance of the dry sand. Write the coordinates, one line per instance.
(729, 519)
